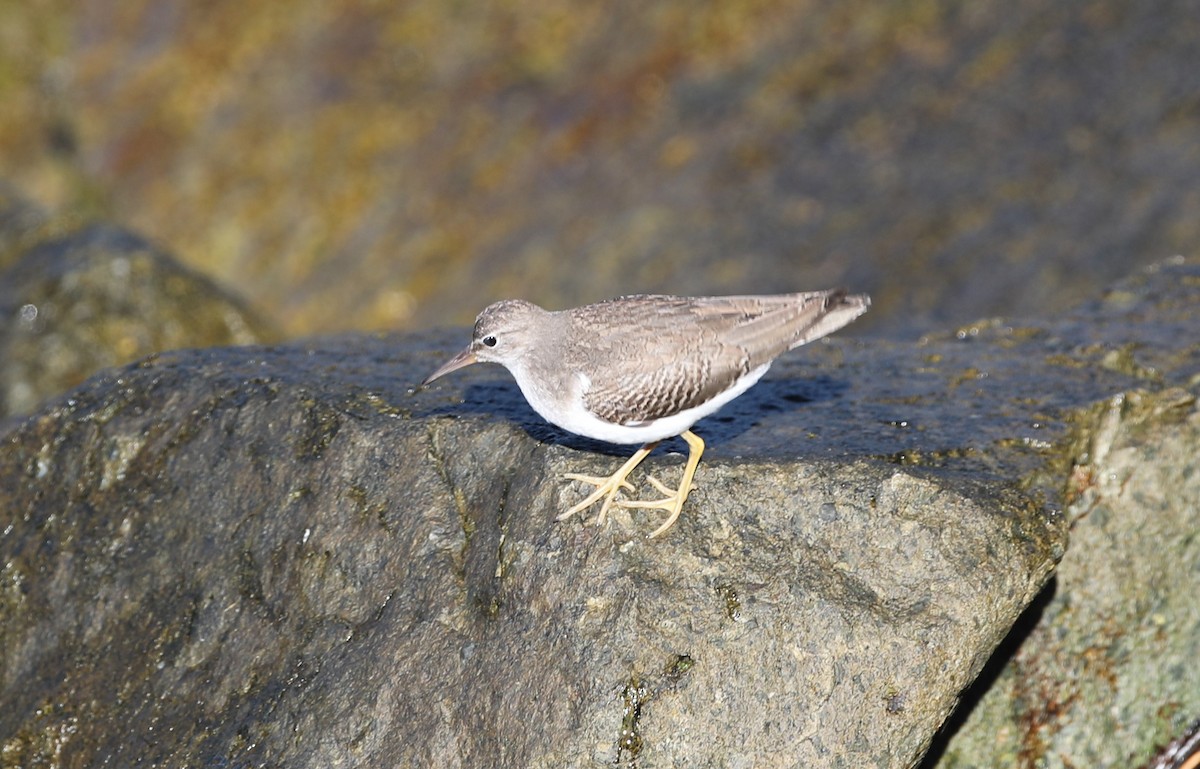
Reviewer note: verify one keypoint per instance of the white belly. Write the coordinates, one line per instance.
(569, 413)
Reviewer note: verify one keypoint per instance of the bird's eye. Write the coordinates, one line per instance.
(489, 341)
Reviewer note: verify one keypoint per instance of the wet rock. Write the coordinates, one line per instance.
(100, 296)
(283, 556)
(1102, 669)
(268, 532)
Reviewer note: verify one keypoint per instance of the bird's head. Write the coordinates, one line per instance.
(504, 332)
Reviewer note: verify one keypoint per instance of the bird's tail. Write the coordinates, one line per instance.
(837, 309)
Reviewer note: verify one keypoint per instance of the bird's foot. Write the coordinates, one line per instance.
(605, 487)
(672, 502)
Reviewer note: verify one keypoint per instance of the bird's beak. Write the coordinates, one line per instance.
(464, 358)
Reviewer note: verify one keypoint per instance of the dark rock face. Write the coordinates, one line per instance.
(282, 557)
(75, 303)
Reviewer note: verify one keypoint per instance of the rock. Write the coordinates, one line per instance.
(97, 297)
(281, 556)
(1108, 672)
(20, 220)
(1103, 669)
(297, 562)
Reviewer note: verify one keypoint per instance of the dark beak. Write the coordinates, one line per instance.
(464, 358)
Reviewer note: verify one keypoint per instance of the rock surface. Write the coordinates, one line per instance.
(75, 302)
(279, 556)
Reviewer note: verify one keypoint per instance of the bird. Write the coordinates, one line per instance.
(636, 370)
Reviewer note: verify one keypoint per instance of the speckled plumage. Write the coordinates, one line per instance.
(671, 353)
(637, 369)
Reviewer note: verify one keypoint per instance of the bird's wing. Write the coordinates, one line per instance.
(651, 357)
(772, 325)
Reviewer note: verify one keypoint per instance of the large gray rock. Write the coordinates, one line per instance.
(280, 556)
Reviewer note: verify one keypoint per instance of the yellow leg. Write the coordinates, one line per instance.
(673, 501)
(607, 487)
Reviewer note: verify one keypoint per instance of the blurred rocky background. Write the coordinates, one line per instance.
(91, 297)
(398, 165)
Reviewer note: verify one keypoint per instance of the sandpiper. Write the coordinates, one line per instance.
(639, 369)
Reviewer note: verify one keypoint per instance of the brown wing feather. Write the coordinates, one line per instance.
(652, 356)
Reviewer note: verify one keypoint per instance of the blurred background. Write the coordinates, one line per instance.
(398, 165)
